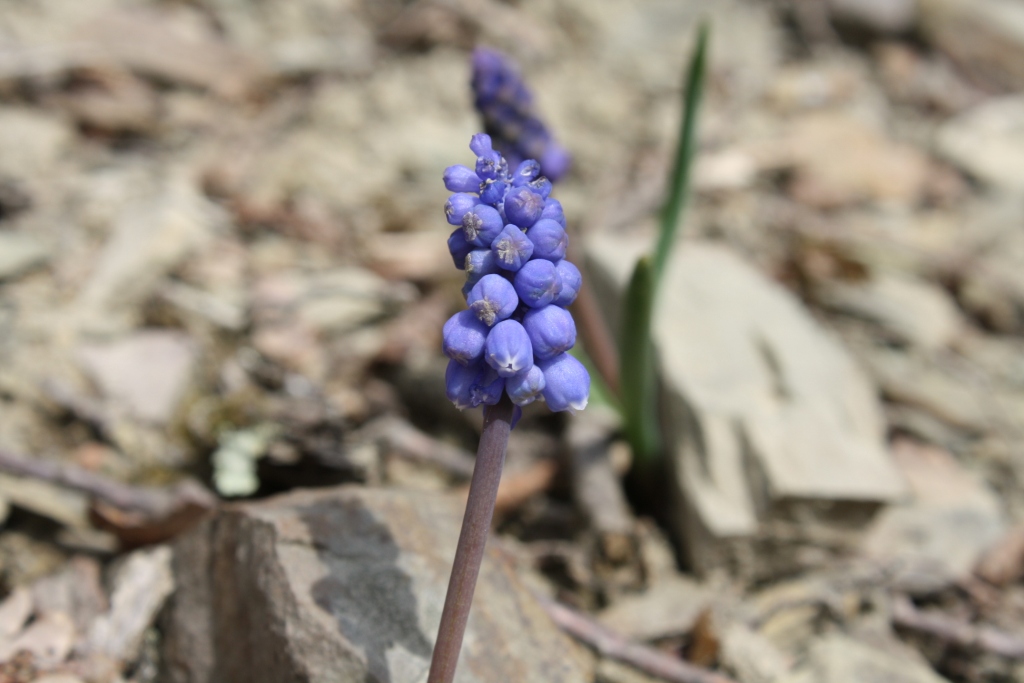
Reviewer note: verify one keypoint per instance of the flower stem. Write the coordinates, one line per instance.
(476, 525)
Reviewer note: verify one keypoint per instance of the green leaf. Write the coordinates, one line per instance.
(637, 364)
(679, 189)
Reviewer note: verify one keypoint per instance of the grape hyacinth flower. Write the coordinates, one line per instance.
(508, 348)
(506, 106)
(512, 286)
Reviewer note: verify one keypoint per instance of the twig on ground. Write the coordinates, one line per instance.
(137, 514)
(612, 645)
(956, 631)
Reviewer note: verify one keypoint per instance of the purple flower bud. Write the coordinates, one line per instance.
(549, 240)
(551, 331)
(541, 186)
(511, 248)
(525, 387)
(571, 279)
(461, 178)
(458, 205)
(480, 144)
(459, 248)
(482, 224)
(566, 383)
(523, 206)
(488, 387)
(479, 262)
(458, 383)
(553, 210)
(555, 162)
(493, 299)
(517, 413)
(493, 192)
(508, 349)
(464, 337)
(537, 283)
(491, 166)
(525, 172)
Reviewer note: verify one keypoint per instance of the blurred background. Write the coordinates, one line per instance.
(224, 272)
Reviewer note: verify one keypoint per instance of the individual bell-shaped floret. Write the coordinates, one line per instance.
(480, 144)
(488, 387)
(551, 331)
(553, 210)
(482, 224)
(491, 166)
(571, 280)
(511, 248)
(458, 383)
(508, 349)
(525, 172)
(566, 383)
(526, 387)
(461, 178)
(541, 186)
(458, 205)
(459, 248)
(549, 240)
(478, 263)
(493, 299)
(537, 283)
(493, 192)
(523, 206)
(463, 338)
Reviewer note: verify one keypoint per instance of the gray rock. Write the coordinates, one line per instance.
(908, 309)
(988, 141)
(882, 16)
(19, 253)
(839, 659)
(668, 609)
(951, 519)
(984, 37)
(765, 414)
(145, 374)
(346, 585)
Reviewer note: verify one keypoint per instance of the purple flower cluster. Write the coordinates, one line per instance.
(506, 106)
(510, 239)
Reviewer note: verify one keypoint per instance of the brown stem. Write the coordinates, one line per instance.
(476, 525)
(597, 338)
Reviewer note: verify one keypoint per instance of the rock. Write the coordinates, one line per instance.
(838, 161)
(14, 612)
(765, 414)
(984, 37)
(31, 142)
(173, 45)
(153, 231)
(75, 590)
(752, 656)
(19, 254)
(950, 520)
(908, 309)
(881, 16)
(140, 586)
(840, 659)
(145, 374)
(987, 141)
(668, 609)
(49, 637)
(69, 508)
(345, 585)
